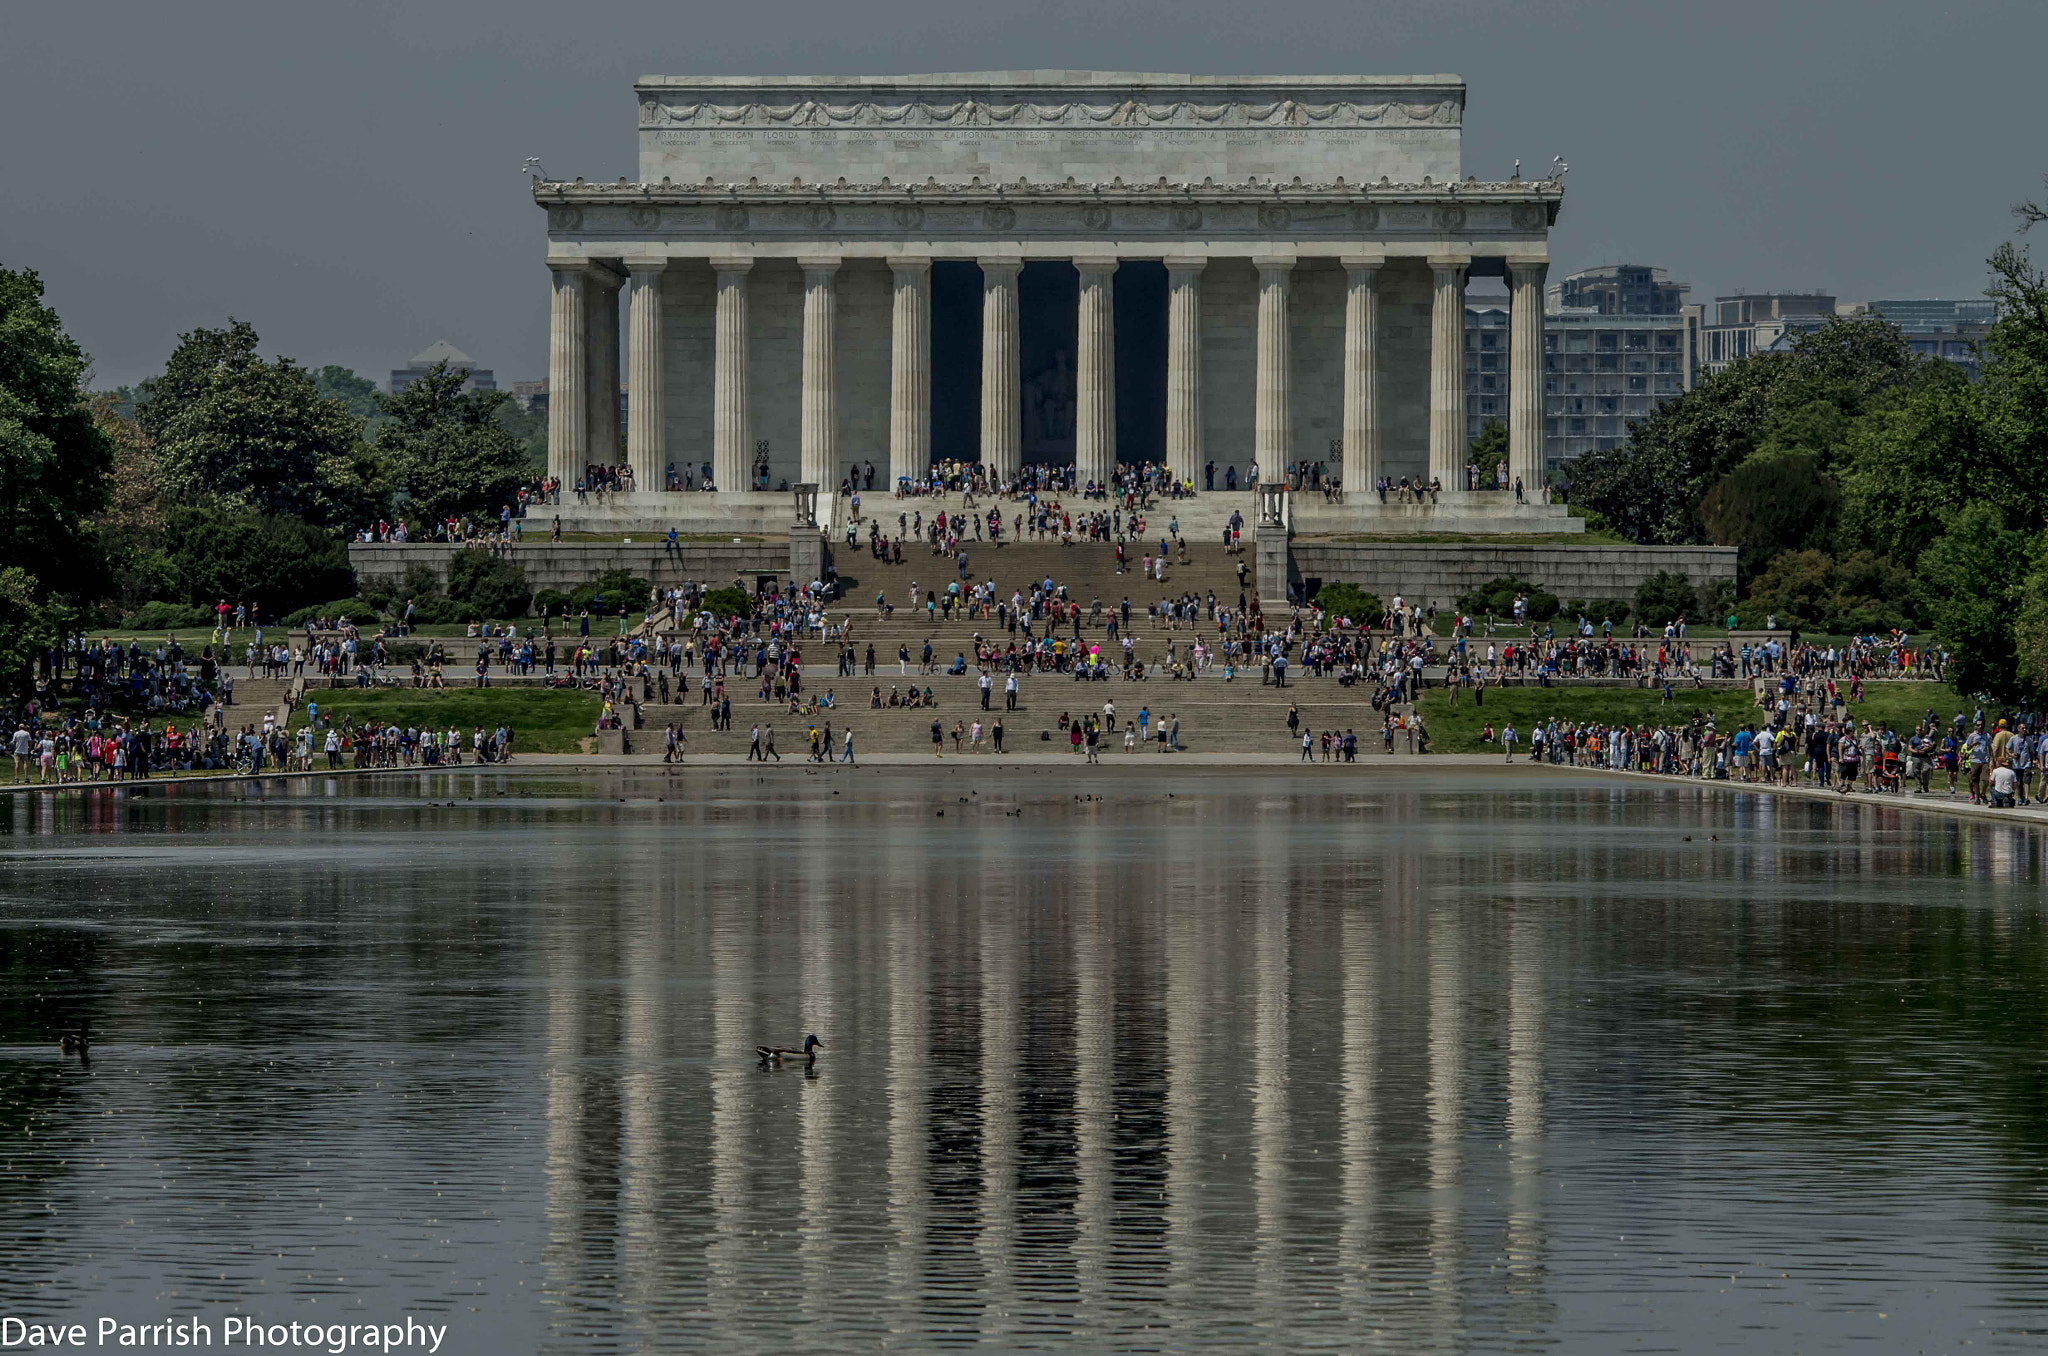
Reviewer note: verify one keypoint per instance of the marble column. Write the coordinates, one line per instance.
(1095, 373)
(1184, 367)
(567, 416)
(1364, 459)
(1002, 402)
(819, 460)
(1525, 375)
(1273, 389)
(601, 353)
(646, 410)
(732, 425)
(1447, 442)
(910, 368)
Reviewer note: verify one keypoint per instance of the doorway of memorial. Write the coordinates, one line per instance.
(956, 360)
(1140, 362)
(1048, 322)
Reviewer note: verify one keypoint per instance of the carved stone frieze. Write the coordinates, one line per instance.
(1182, 113)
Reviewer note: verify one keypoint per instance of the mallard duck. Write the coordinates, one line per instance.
(775, 1054)
(77, 1042)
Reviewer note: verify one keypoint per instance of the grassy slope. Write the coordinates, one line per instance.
(1456, 730)
(547, 721)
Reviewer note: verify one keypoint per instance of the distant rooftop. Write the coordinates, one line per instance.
(442, 352)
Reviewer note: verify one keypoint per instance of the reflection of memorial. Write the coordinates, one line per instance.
(1084, 1115)
(1049, 397)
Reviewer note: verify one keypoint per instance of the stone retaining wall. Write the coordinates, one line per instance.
(1440, 572)
(564, 565)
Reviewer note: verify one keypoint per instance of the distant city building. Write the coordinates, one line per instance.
(479, 379)
(1601, 369)
(1617, 289)
(532, 396)
(1949, 330)
(1757, 322)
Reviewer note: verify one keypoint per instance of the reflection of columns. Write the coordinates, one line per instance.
(1001, 1040)
(820, 427)
(1446, 1099)
(1002, 406)
(1094, 1107)
(642, 1076)
(1269, 1097)
(1184, 367)
(1447, 373)
(646, 410)
(910, 368)
(732, 426)
(1095, 374)
(909, 1043)
(818, 1098)
(1363, 459)
(567, 428)
(601, 350)
(1185, 991)
(1273, 390)
(732, 1146)
(1525, 1091)
(1525, 374)
(1361, 1053)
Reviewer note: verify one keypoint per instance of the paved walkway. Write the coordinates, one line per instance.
(1195, 764)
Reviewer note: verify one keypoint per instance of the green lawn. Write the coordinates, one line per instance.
(1456, 729)
(547, 720)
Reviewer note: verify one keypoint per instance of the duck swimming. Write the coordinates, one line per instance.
(77, 1042)
(775, 1054)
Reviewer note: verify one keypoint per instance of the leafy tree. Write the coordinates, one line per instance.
(53, 468)
(1862, 592)
(447, 448)
(255, 436)
(276, 562)
(340, 383)
(24, 629)
(1354, 604)
(1490, 447)
(1972, 578)
(1769, 504)
(1650, 489)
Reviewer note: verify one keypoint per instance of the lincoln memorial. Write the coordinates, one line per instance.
(1077, 268)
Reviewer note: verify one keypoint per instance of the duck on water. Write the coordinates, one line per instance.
(775, 1054)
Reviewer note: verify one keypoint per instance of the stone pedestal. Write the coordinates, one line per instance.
(1273, 564)
(806, 553)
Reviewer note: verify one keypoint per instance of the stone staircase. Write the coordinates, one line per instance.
(1237, 716)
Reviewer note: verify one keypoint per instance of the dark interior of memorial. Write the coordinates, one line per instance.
(1048, 313)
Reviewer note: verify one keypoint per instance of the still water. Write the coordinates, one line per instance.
(1354, 1061)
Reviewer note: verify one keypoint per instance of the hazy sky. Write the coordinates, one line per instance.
(346, 177)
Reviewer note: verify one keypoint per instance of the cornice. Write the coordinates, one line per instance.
(1161, 191)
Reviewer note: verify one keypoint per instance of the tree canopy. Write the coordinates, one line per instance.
(54, 461)
(255, 436)
(447, 447)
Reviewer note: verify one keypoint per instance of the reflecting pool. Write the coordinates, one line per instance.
(1354, 1060)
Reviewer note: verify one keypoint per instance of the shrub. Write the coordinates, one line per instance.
(730, 601)
(347, 607)
(621, 590)
(1498, 596)
(422, 583)
(1350, 602)
(495, 587)
(161, 616)
(1665, 597)
(276, 563)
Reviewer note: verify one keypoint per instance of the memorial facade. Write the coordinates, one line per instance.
(1068, 267)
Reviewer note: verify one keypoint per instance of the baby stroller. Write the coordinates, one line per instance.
(1888, 770)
